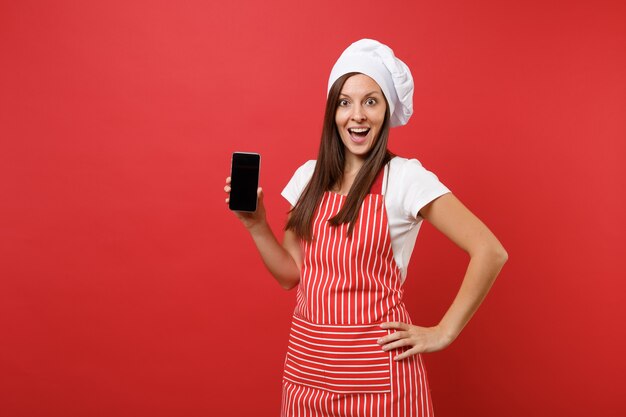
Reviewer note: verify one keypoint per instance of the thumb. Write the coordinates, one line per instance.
(259, 193)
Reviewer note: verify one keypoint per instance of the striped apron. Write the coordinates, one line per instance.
(348, 286)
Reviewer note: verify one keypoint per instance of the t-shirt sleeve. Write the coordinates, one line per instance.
(421, 187)
(298, 182)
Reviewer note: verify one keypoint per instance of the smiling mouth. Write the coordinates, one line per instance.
(359, 132)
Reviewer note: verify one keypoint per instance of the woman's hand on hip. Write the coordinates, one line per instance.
(415, 338)
(249, 220)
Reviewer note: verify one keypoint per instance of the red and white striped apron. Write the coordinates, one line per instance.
(348, 286)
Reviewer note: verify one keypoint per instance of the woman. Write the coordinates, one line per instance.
(355, 216)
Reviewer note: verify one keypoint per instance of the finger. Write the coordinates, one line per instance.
(227, 180)
(397, 344)
(394, 325)
(406, 354)
(227, 189)
(391, 337)
(227, 200)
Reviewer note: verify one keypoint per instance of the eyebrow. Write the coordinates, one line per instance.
(367, 94)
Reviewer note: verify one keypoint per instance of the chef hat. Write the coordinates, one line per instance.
(377, 61)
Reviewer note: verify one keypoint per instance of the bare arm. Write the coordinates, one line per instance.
(487, 256)
(283, 261)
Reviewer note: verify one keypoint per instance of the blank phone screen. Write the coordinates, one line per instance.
(244, 181)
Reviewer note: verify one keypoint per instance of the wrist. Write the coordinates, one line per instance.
(448, 334)
(259, 227)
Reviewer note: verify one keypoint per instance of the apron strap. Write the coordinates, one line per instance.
(380, 184)
(377, 185)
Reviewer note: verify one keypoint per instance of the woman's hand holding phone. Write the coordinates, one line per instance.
(249, 219)
(249, 208)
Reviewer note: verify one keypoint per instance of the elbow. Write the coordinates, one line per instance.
(288, 285)
(500, 255)
(494, 253)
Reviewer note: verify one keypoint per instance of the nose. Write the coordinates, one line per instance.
(358, 115)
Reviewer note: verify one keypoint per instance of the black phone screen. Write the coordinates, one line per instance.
(244, 181)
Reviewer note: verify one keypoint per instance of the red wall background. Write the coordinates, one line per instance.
(128, 289)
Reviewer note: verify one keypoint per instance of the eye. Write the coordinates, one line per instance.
(370, 101)
(343, 102)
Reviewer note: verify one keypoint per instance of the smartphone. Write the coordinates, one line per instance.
(244, 181)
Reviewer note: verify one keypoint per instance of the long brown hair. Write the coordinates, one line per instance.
(329, 171)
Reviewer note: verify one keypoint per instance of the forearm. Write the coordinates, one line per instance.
(481, 272)
(276, 258)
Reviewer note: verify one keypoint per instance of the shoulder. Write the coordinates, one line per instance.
(298, 182)
(306, 169)
(412, 186)
(405, 168)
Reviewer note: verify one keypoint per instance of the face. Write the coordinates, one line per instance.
(360, 115)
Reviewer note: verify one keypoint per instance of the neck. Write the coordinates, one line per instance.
(351, 168)
(352, 165)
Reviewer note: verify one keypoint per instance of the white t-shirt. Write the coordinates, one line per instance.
(407, 187)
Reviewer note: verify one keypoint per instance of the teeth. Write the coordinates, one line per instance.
(359, 130)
